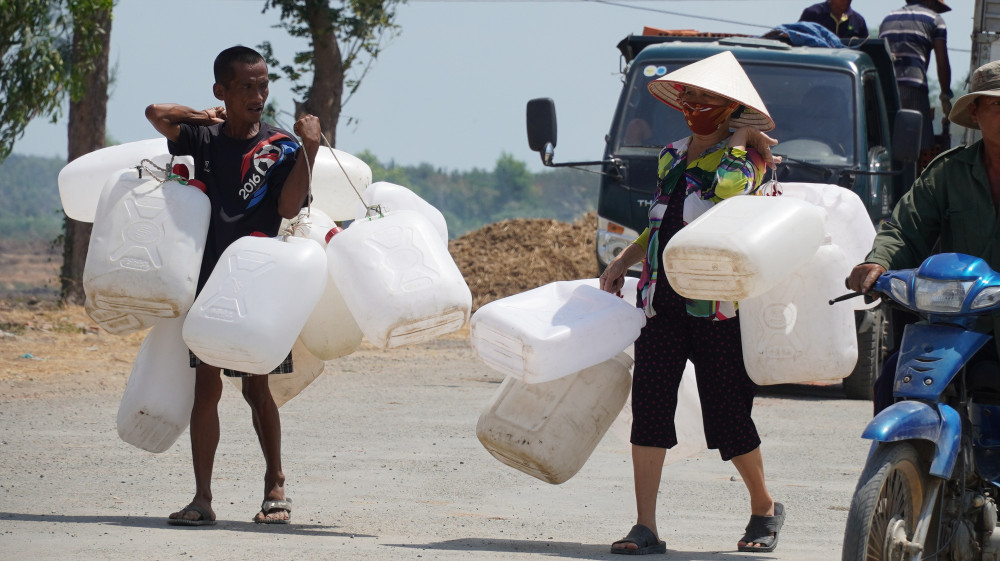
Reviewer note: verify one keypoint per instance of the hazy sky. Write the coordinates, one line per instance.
(450, 89)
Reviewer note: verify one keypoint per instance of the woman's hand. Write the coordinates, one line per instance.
(753, 138)
(613, 277)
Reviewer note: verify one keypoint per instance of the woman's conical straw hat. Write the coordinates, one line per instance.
(722, 75)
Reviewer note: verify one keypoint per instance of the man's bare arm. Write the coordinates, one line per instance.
(166, 118)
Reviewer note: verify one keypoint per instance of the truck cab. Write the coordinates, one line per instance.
(837, 115)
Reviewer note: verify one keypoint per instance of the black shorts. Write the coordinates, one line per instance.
(285, 367)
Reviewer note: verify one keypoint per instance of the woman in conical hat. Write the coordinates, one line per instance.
(725, 155)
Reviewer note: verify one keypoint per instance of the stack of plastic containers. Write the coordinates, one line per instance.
(145, 251)
(398, 279)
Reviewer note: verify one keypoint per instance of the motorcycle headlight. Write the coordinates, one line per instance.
(988, 297)
(898, 289)
(940, 295)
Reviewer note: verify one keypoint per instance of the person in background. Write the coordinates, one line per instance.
(256, 174)
(912, 33)
(954, 201)
(838, 17)
(713, 163)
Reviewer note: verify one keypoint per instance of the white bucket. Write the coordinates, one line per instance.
(399, 281)
(848, 223)
(792, 334)
(337, 180)
(286, 386)
(255, 302)
(742, 247)
(554, 330)
(156, 406)
(80, 181)
(549, 430)
(396, 197)
(146, 247)
(330, 332)
(118, 322)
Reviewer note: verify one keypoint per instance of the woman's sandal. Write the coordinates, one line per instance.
(763, 530)
(644, 540)
(267, 506)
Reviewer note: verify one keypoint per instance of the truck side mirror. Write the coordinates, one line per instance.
(541, 121)
(906, 135)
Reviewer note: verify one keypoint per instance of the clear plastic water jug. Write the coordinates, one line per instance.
(848, 222)
(338, 179)
(554, 330)
(156, 406)
(81, 181)
(792, 334)
(742, 247)
(398, 280)
(306, 368)
(330, 332)
(255, 302)
(146, 247)
(549, 430)
(390, 197)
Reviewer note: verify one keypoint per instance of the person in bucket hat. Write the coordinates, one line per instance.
(955, 200)
(725, 155)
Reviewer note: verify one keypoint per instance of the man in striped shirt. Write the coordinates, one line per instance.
(912, 32)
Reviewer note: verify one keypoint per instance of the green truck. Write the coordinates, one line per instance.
(838, 121)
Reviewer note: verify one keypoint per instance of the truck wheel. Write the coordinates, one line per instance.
(872, 329)
(886, 504)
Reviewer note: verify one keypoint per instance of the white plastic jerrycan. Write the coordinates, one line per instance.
(742, 247)
(549, 430)
(146, 246)
(80, 181)
(390, 197)
(792, 334)
(848, 223)
(306, 368)
(331, 331)
(398, 280)
(156, 406)
(338, 179)
(118, 322)
(554, 330)
(255, 302)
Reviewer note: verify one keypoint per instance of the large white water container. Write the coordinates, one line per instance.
(792, 334)
(118, 322)
(306, 368)
(338, 179)
(255, 302)
(554, 330)
(81, 181)
(742, 247)
(146, 246)
(398, 279)
(156, 406)
(848, 222)
(549, 430)
(331, 331)
(390, 197)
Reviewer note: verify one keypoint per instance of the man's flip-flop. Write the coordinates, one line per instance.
(645, 542)
(205, 519)
(763, 530)
(267, 506)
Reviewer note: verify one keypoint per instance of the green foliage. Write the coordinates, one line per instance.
(31, 208)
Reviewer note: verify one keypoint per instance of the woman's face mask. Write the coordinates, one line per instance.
(705, 118)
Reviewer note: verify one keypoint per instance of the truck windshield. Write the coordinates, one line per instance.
(812, 111)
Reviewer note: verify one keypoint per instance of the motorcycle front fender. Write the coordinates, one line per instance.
(937, 423)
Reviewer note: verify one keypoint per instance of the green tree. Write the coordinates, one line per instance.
(345, 38)
(33, 71)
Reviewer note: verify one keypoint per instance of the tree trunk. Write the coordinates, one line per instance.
(86, 131)
(327, 88)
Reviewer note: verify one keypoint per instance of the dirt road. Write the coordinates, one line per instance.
(383, 463)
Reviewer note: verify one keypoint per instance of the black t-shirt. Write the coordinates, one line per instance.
(244, 180)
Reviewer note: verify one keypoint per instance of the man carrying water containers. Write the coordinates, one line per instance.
(255, 175)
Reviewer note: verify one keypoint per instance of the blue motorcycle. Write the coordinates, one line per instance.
(930, 485)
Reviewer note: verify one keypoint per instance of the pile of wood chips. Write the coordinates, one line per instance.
(513, 256)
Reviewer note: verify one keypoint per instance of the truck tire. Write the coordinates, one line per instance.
(872, 332)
